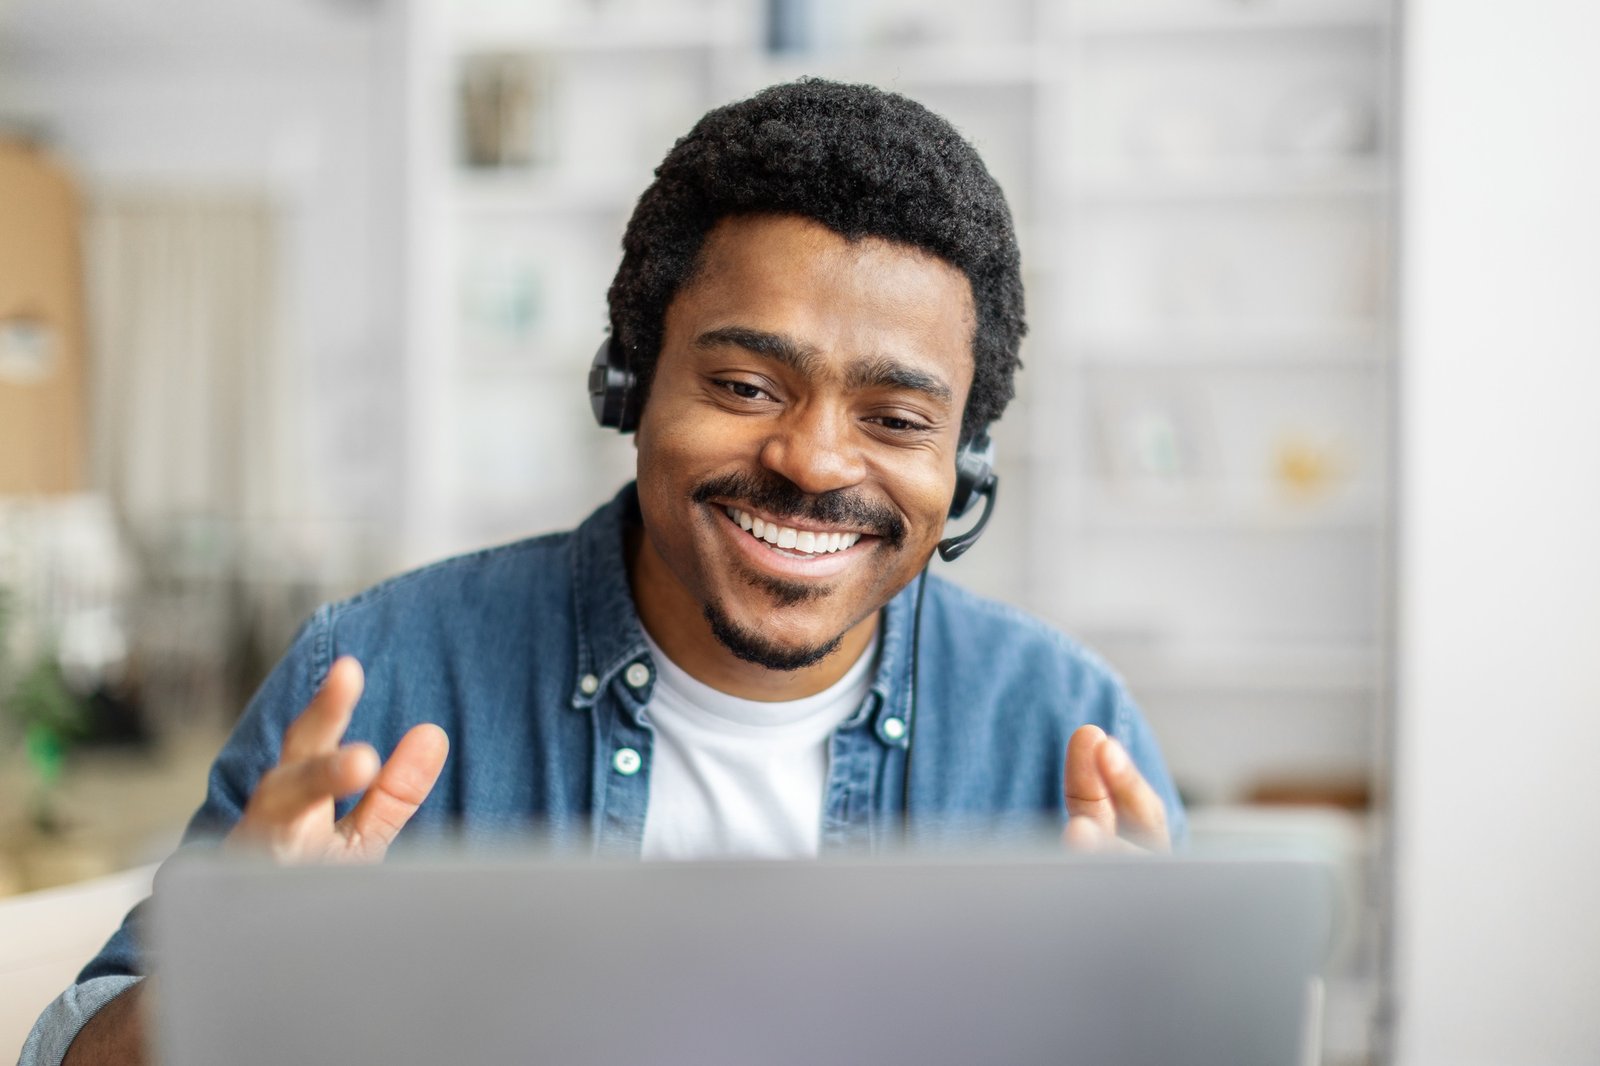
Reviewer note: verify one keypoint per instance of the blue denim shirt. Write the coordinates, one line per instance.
(532, 658)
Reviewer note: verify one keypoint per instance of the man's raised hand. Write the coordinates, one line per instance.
(290, 814)
(1110, 806)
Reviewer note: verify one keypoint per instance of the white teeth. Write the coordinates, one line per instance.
(799, 540)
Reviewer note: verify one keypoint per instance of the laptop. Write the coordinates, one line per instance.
(1103, 962)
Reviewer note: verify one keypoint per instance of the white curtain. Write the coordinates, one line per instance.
(189, 431)
(191, 385)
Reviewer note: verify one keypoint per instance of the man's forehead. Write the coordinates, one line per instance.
(744, 238)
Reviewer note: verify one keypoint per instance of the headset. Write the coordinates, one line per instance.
(614, 396)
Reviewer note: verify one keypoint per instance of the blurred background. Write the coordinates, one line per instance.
(295, 294)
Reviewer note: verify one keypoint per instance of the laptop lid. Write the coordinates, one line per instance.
(938, 963)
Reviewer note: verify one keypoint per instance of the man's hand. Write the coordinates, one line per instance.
(290, 814)
(1110, 806)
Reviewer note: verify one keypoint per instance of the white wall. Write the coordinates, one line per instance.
(1498, 756)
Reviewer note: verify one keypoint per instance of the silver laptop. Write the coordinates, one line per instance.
(936, 963)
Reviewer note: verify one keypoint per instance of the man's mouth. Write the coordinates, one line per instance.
(850, 513)
(793, 540)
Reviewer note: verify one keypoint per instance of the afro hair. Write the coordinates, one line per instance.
(859, 160)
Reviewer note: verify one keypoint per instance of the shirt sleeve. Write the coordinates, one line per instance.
(64, 1018)
(250, 751)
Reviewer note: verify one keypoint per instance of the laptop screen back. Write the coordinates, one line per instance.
(1101, 962)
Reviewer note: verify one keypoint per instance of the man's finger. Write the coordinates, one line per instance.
(401, 786)
(289, 791)
(319, 728)
(1140, 814)
(1084, 835)
(1088, 795)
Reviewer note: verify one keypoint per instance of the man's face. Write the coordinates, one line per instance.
(816, 386)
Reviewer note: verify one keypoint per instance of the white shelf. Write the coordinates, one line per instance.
(514, 32)
(1136, 20)
(1267, 347)
(531, 366)
(1000, 66)
(1288, 361)
(1198, 507)
(1342, 835)
(1133, 359)
(1241, 180)
(1265, 669)
(538, 192)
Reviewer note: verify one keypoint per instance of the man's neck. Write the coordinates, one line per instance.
(679, 627)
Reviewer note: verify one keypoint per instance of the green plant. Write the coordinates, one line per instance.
(40, 705)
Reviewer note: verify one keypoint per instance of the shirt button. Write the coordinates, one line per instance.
(894, 728)
(590, 684)
(626, 762)
(637, 675)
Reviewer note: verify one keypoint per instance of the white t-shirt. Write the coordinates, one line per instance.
(736, 778)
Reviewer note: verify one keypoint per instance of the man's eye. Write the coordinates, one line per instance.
(743, 389)
(899, 425)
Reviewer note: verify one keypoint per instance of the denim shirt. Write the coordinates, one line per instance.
(532, 658)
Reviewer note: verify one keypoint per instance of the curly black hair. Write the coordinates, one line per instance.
(859, 160)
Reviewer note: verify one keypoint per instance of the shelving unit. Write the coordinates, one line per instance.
(1262, 370)
(510, 262)
(1195, 474)
(1222, 180)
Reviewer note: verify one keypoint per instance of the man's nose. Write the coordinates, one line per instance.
(817, 448)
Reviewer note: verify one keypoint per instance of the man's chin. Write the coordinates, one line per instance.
(752, 647)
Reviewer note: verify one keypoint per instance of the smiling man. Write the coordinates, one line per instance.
(813, 384)
(816, 318)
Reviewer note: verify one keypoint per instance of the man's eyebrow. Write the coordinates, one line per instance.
(883, 372)
(786, 350)
(886, 373)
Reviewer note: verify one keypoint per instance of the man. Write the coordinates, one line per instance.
(819, 304)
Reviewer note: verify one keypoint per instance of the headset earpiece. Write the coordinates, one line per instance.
(974, 473)
(613, 388)
(975, 480)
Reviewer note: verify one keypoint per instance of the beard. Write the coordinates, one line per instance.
(752, 647)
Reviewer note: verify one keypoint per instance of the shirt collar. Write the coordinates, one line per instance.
(609, 634)
(891, 694)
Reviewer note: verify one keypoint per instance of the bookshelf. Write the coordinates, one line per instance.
(1196, 471)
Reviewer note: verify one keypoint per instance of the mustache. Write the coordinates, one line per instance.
(782, 498)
